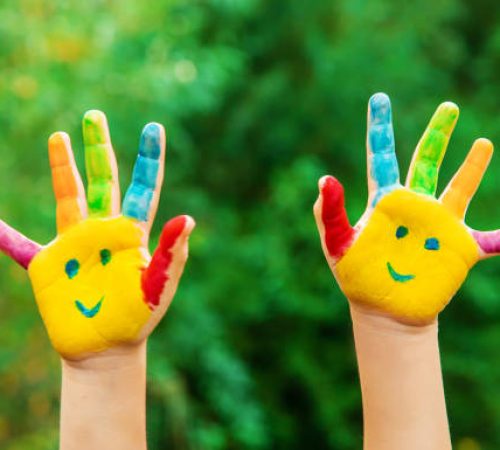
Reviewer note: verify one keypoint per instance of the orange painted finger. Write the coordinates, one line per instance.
(464, 184)
(68, 187)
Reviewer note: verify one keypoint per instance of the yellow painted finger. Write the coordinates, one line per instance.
(464, 184)
(68, 187)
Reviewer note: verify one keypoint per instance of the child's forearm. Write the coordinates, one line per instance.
(400, 372)
(103, 402)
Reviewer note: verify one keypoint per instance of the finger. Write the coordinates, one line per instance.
(21, 249)
(103, 193)
(464, 184)
(331, 218)
(68, 187)
(424, 168)
(141, 199)
(488, 242)
(173, 243)
(383, 171)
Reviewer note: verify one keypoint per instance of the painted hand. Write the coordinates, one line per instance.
(410, 252)
(95, 284)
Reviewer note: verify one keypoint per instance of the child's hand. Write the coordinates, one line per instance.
(95, 284)
(410, 252)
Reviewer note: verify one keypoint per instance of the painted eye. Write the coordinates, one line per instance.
(431, 244)
(401, 232)
(71, 268)
(105, 256)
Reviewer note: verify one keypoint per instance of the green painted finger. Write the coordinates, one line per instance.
(100, 162)
(424, 168)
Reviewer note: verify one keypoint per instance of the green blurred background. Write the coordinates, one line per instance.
(259, 98)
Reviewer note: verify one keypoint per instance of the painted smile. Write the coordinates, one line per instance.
(398, 276)
(89, 312)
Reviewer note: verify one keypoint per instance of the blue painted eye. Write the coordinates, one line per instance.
(105, 256)
(71, 268)
(431, 244)
(401, 232)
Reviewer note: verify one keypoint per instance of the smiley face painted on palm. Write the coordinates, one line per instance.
(410, 252)
(87, 284)
(402, 255)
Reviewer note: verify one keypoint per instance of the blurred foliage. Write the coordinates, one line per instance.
(260, 99)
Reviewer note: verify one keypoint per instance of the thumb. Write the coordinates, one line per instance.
(168, 260)
(331, 218)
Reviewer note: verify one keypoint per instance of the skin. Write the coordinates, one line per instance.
(108, 391)
(98, 290)
(399, 266)
(401, 383)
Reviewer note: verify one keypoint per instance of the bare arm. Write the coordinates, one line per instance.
(401, 383)
(103, 402)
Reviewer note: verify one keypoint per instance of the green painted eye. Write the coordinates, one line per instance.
(401, 232)
(431, 244)
(105, 256)
(71, 268)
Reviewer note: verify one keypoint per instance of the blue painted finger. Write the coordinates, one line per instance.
(383, 171)
(137, 202)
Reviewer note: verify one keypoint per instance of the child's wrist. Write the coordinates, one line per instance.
(115, 359)
(366, 319)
